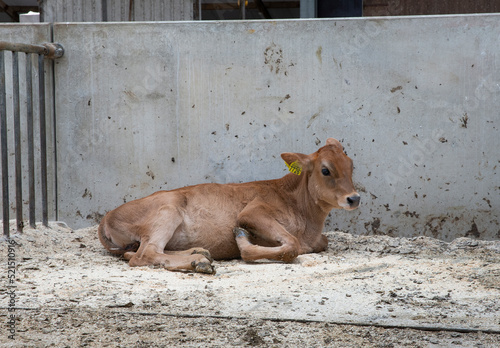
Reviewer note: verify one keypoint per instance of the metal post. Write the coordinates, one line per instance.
(31, 145)
(131, 11)
(104, 10)
(5, 154)
(243, 9)
(308, 9)
(43, 139)
(55, 180)
(17, 141)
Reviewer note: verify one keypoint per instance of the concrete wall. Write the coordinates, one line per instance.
(149, 106)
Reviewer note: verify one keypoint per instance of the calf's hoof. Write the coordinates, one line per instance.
(240, 232)
(203, 267)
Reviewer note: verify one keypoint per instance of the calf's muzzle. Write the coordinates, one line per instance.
(353, 201)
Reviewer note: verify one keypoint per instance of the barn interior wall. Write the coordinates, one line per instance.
(142, 107)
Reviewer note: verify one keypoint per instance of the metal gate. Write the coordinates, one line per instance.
(34, 73)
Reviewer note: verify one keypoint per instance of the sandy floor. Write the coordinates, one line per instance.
(365, 291)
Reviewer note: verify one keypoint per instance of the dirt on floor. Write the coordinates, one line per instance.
(61, 288)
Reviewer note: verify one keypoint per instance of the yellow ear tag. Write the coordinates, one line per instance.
(294, 167)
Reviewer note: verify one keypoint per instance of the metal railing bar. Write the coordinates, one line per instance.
(17, 141)
(3, 143)
(26, 48)
(43, 139)
(51, 50)
(55, 181)
(31, 145)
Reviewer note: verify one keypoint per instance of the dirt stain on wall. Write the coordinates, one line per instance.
(318, 54)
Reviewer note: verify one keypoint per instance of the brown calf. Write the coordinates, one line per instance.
(277, 219)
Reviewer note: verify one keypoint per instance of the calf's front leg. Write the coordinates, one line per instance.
(253, 252)
(283, 246)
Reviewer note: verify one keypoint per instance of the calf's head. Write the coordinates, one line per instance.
(329, 176)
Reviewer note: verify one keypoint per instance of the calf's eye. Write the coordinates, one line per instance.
(325, 171)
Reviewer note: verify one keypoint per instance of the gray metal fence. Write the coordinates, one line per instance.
(38, 53)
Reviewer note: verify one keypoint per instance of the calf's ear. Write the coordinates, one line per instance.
(334, 142)
(303, 160)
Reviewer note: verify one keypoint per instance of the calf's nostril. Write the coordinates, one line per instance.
(353, 200)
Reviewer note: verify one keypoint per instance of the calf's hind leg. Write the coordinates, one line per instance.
(148, 256)
(153, 242)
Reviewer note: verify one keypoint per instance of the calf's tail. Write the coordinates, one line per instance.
(112, 247)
